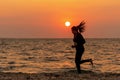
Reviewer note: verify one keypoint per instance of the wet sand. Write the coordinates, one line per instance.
(69, 75)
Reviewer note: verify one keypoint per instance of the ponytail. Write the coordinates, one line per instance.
(81, 26)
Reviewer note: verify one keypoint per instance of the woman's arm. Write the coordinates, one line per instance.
(75, 44)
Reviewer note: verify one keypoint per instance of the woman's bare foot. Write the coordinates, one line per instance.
(91, 61)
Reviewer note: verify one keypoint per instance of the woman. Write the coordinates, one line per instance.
(79, 42)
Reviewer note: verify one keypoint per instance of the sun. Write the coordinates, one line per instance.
(67, 23)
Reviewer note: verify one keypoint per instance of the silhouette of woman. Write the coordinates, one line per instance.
(79, 45)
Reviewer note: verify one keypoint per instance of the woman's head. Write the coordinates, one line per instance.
(74, 30)
(78, 29)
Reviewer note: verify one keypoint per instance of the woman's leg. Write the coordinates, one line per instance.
(86, 60)
(80, 52)
(78, 60)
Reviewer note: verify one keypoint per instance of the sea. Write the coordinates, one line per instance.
(56, 55)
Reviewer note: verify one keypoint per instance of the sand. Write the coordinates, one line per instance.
(69, 75)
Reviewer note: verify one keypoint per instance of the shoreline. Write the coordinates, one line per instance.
(66, 75)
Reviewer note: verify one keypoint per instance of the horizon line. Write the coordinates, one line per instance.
(58, 38)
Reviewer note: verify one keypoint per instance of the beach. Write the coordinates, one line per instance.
(53, 59)
(70, 75)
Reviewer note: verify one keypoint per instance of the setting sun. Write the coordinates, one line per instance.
(67, 23)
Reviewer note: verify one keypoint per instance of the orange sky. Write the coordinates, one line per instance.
(45, 18)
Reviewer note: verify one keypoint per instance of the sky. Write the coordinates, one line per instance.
(46, 18)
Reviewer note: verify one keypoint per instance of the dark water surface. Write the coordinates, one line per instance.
(53, 55)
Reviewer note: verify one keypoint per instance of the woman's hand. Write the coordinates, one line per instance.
(73, 46)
